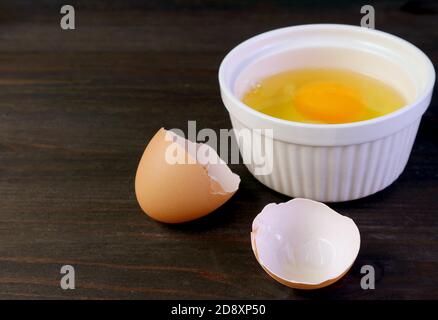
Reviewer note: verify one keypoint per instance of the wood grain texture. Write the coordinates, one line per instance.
(77, 109)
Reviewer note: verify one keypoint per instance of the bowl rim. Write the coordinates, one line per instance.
(387, 117)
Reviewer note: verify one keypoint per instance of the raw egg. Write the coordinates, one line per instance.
(178, 180)
(323, 96)
(304, 244)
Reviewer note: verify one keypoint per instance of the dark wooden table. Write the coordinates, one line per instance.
(77, 109)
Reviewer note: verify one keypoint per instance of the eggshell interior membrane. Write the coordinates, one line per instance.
(185, 189)
(217, 169)
(304, 244)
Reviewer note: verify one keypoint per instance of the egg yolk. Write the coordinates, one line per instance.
(328, 102)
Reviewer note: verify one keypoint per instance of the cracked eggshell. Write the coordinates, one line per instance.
(304, 244)
(176, 182)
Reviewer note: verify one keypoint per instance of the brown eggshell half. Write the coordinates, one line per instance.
(182, 191)
(304, 244)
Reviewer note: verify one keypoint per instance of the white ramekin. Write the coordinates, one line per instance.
(331, 162)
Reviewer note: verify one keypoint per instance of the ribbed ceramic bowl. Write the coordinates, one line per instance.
(330, 162)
